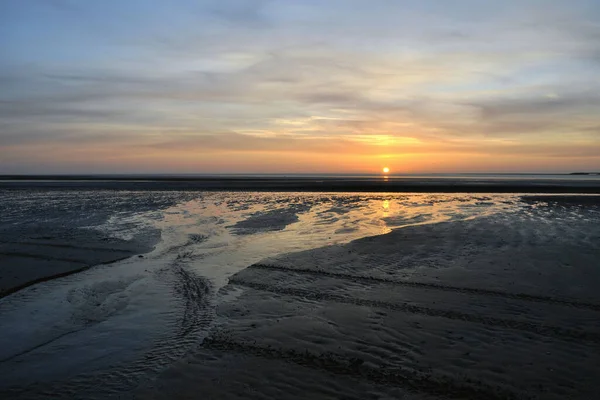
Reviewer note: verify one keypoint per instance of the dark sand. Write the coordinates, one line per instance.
(35, 255)
(491, 308)
(46, 234)
(477, 184)
(496, 307)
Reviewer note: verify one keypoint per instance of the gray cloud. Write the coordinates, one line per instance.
(276, 76)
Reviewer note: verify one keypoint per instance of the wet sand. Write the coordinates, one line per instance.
(45, 235)
(34, 255)
(497, 307)
(471, 296)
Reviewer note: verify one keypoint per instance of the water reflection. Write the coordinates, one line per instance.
(386, 206)
(200, 242)
(276, 223)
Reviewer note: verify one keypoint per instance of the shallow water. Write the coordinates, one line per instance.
(121, 324)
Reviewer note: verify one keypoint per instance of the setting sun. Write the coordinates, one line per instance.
(386, 170)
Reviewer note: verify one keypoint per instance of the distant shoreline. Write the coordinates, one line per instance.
(393, 184)
(294, 176)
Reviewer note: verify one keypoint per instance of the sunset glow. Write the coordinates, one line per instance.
(386, 170)
(274, 87)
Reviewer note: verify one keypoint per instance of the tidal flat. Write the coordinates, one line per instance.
(168, 294)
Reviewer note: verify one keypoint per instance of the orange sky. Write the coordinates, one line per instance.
(292, 87)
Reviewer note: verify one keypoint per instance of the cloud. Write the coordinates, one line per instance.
(309, 78)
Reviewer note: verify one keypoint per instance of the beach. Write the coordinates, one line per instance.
(303, 295)
(286, 200)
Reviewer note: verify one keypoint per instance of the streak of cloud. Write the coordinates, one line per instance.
(352, 78)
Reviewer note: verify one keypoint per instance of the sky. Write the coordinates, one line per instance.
(299, 86)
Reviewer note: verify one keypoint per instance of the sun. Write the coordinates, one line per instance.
(386, 170)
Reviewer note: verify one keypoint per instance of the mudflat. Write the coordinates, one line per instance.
(498, 307)
(301, 295)
(32, 256)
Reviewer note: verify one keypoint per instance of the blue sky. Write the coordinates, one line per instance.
(299, 86)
